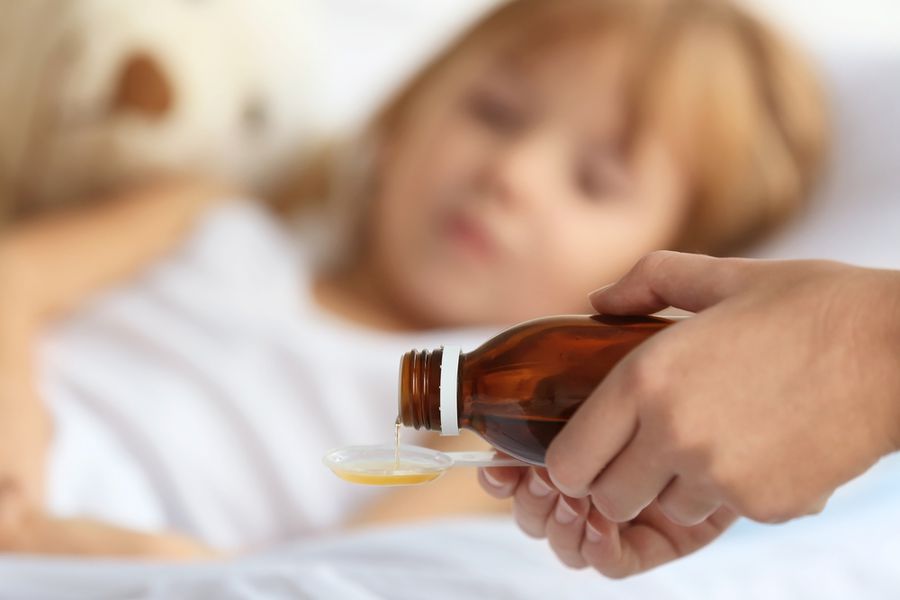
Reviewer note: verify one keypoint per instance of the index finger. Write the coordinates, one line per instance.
(692, 282)
(595, 434)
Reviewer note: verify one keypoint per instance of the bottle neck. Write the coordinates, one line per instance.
(428, 394)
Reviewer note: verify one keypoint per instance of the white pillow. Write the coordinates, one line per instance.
(855, 216)
(370, 47)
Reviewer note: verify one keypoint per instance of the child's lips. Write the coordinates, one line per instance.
(471, 236)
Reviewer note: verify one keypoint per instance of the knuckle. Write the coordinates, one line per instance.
(654, 261)
(645, 376)
(814, 510)
(767, 516)
(535, 494)
(730, 480)
(608, 507)
(613, 570)
(680, 515)
(566, 472)
(573, 560)
(532, 527)
(819, 505)
(753, 503)
(776, 503)
(610, 564)
(673, 510)
(769, 512)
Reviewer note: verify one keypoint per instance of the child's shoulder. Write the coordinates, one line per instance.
(241, 239)
(237, 222)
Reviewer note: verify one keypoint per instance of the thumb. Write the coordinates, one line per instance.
(661, 279)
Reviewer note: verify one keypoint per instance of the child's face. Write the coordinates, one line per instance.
(510, 196)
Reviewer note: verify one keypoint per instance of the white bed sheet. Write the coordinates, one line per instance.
(852, 551)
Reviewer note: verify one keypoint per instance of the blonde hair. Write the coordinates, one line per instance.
(742, 107)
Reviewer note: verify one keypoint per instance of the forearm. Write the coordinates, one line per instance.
(17, 335)
(25, 428)
(49, 266)
(37, 533)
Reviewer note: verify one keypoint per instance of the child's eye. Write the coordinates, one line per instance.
(495, 112)
(590, 183)
(599, 179)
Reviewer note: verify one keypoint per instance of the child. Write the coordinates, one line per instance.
(543, 153)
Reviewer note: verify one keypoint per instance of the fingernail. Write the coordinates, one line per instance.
(492, 481)
(538, 487)
(600, 290)
(564, 513)
(591, 534)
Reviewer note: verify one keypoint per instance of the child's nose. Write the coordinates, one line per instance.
(520, 173)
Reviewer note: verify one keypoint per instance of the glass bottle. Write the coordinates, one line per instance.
(519, 388)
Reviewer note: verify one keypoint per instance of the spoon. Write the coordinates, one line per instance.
(412, 465)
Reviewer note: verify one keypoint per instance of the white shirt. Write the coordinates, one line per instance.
(202, 396)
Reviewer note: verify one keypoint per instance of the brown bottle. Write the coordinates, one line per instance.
(519, 388)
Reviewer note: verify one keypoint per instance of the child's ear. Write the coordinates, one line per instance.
(142, 87)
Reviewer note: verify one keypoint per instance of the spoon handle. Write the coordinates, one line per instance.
(484, 459)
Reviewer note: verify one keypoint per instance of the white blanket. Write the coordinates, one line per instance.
(201, 396)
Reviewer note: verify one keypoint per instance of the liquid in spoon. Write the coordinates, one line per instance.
(389, 468)
(374, 473)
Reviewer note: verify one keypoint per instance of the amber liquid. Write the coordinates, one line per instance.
(385, 474)
(518, 390)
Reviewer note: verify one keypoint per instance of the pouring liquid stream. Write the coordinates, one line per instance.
(397, 444)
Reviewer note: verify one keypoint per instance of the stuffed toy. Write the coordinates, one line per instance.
(100, 94)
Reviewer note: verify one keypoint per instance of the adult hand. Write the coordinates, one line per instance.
(783, 387)
(27, 530)
(581, 536)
